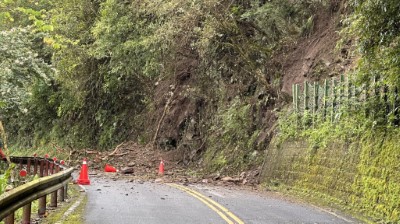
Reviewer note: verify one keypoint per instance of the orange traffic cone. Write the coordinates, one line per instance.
(110, 169)
(84, 176)
(161, 168)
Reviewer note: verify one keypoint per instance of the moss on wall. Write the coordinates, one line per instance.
(363, 175)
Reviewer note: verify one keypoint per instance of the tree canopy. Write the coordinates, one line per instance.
(83, 72)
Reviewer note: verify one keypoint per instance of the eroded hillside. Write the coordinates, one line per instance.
(226, 122)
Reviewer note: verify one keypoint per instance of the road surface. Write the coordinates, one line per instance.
(124, 201)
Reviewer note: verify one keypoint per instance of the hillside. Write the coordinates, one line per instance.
(208, 84)
(194, 119)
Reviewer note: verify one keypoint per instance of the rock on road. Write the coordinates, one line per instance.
(123, 201)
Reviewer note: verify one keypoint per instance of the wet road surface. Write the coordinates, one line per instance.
(124, 201)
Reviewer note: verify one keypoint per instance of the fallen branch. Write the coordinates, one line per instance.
(166, 108)
(91, 152)
(121, 154)
(116, 149)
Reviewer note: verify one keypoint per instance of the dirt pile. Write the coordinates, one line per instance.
(144, 162)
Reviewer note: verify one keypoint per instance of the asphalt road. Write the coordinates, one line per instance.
(122, 201)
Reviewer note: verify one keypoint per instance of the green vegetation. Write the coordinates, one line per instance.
(351, 161)
(376, 26)
(4, 177)
(96, 73)
(231, 142)
(76, 216)
(95, 62)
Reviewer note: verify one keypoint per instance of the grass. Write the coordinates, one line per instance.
(76, 216)
(54, 216)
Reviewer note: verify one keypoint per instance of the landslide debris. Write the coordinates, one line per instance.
(140, 163)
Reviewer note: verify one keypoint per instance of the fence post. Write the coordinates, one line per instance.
(28, 166)
(26, 213)
(333, 99)
(53, 200)
(35, 167)
(294, 97)
(9, 219)
(306, 96)
(316, 97)
(341, 91)
(61, 197)
(66, 191)
(306, 104)
(350, 94)
(326, 95)
(46, 167)
(42, 200)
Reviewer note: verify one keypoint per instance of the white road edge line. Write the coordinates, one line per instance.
(332, 213)
(74, 206)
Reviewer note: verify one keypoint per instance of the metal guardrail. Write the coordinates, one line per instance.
(54, 179)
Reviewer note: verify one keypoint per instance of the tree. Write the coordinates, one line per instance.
(21, 67)
(376, 25)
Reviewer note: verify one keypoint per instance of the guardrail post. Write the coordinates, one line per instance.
(50, 168)
(42, 200)
(41, 168)
(28, 167)
(66, 191)
(38, 189)
(26, 214)
(46, 169)
(9, 219)
(61, 197)
(42, 206)
(53, 199)
(35, 167)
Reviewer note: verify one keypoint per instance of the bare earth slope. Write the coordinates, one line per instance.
(316, 56)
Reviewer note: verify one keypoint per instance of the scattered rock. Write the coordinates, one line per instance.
(227, 179)
(216, 176)
(127, 170)
(159, 180)
(230, 179)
